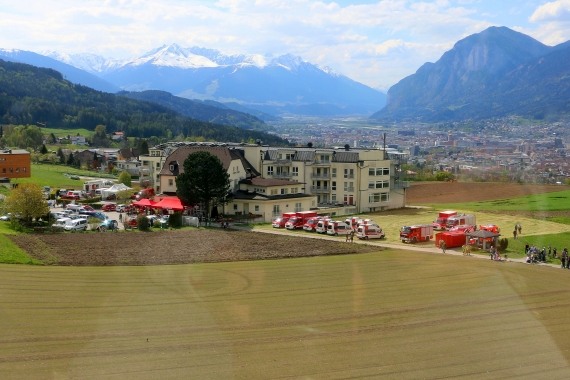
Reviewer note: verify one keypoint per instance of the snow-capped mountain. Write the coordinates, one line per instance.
(275, 85)
(92, 63)
(70, 71)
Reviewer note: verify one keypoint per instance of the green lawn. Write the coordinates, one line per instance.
(57, 176)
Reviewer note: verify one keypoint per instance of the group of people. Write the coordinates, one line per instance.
(517, 230)
(536, 255)
(349, 235)
(495, 255)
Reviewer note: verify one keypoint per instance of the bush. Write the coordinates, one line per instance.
(143, 223)
(175, 220)
(502, 244)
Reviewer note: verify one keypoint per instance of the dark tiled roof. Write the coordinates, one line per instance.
(225, 155)
(242, 194)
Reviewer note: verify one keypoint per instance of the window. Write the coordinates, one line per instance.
(349, 200)
(283, 191)
(235, 207)
(378, 197)
(333, 172)
(274, 192)
(158, 165)
(349, 186)
(378, 184)
(294, 190)
(270, 170)
(378, 171)
(348, 173)
(295, 171)
(276, 210)
(333, 185)
(170, 182)
(333, 198)
(256, 208)
(171, 167)
(289, 156)
(298, 207)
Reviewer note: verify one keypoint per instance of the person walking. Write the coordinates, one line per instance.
(443, 246)
(563, 259)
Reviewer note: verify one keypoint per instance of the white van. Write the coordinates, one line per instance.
(369, 231)
(61, 222)
(76, 225)
(338, 228)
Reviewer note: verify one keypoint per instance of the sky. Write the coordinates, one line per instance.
(377, 43)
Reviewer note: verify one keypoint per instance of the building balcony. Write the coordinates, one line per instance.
(320, 189)
(321, 163)
(320, 176)
(282, 175)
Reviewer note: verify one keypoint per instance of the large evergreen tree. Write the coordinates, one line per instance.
(204, 181)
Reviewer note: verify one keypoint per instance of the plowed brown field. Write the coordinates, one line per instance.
(452, 192)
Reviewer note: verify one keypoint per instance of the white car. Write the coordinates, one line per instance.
(76, 225)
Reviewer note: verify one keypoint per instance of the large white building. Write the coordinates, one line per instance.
(267, 181)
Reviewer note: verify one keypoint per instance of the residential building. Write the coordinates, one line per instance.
(15, 163)
(268, 181)
(360, 180)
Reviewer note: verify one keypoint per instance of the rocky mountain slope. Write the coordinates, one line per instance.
(497, 72)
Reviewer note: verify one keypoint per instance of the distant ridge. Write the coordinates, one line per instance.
(495, 73)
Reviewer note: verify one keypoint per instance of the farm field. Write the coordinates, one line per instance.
(388, 314)
(337, 310)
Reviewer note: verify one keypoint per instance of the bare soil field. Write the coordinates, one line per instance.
(455, 192)
(175, 247)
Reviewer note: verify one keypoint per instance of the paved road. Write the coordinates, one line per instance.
(384, 244)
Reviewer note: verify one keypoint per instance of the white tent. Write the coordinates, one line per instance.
(113, 190)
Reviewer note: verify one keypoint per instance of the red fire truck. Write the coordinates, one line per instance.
(441, 222)
(414, 234)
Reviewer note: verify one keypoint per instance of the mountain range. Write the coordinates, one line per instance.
(275, 86)
(495, 73)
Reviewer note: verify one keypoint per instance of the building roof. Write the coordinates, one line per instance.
(482, 234)
(246, 195)
(267, 182)
(224, 154)
(309, 154)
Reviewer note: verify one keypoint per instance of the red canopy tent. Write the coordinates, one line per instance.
(170, 203)
(144, 203)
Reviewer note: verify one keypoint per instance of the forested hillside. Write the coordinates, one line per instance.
(31, 95)
(199, 110)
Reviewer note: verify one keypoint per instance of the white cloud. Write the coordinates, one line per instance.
(375, 42)
(553, 11)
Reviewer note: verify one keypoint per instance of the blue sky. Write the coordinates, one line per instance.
(374, 42)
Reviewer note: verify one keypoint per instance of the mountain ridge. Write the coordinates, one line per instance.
(477, 79)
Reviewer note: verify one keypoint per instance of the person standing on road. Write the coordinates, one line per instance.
(442, 246)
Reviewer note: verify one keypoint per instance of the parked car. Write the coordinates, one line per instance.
(76, 225)
(5, 217)
(108, 225)
(109, 207)
(74, 207)
(120, 208)
(61, 223)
